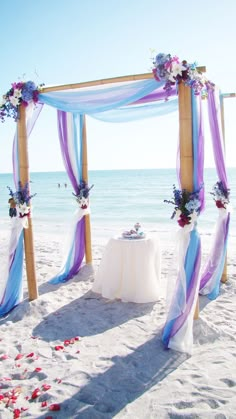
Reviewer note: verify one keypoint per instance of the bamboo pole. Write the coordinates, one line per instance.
(88, 245)
(186, 146)
(110, 80)
(24, 178)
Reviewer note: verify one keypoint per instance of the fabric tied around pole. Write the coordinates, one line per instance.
(213, 270)
(70, 129)
(11, 287)
(177, 332)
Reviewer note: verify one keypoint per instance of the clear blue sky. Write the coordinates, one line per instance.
(67, 41)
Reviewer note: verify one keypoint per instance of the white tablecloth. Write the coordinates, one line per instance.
(130, 270)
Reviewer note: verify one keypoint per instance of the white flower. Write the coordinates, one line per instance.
(83, 202)
(176, 69)
(17, 93)
(14, 100)
(23, 209)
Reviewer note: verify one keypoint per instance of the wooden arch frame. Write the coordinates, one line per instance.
(186, 160)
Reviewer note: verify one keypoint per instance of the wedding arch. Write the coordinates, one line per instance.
(173, 85)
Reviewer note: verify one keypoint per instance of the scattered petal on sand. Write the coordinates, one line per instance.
(55, 407)
(36, 393)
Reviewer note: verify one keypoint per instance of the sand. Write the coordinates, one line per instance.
(93, 358)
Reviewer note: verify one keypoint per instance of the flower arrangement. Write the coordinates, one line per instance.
(172, 70)
(82, 195)
(19, 93)
(187, 206)
(221, 195)
(19, 201)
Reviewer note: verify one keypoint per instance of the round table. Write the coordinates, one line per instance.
(130, 270)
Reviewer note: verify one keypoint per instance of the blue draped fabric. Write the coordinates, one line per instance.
(177, 332)
(99, 99)
(134, 113)
(191, 267)
(13, 291)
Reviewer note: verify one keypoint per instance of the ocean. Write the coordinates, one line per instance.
(118, 200)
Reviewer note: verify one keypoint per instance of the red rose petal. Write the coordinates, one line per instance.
(17, 413)
(78, 352)
(76, 338)
(55, 407)
(38, 369)
(36, 393)
(30, 355)
(66, 342)
(19, 356)
(4, 356)
(46, 387)
(59, 347)
(44, 404)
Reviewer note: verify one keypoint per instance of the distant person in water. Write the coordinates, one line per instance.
(65, 185)
(58, 185)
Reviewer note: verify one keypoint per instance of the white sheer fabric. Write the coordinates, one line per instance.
(130, 270)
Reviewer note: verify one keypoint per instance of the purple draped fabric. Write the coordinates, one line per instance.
(156, 96)
(216, 135)
(79, 249)
(214, 266)
(68, 139)
(63, 137)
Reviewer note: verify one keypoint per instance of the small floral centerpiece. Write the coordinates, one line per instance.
(19, 93)
(172, 70)
(186, 206)
(221, 195)
(19, 201)
(82, 196)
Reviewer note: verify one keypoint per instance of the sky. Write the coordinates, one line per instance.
(68, 41)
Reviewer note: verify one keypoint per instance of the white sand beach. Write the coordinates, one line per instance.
(93, 358)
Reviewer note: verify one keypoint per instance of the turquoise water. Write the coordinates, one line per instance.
(118, 199)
